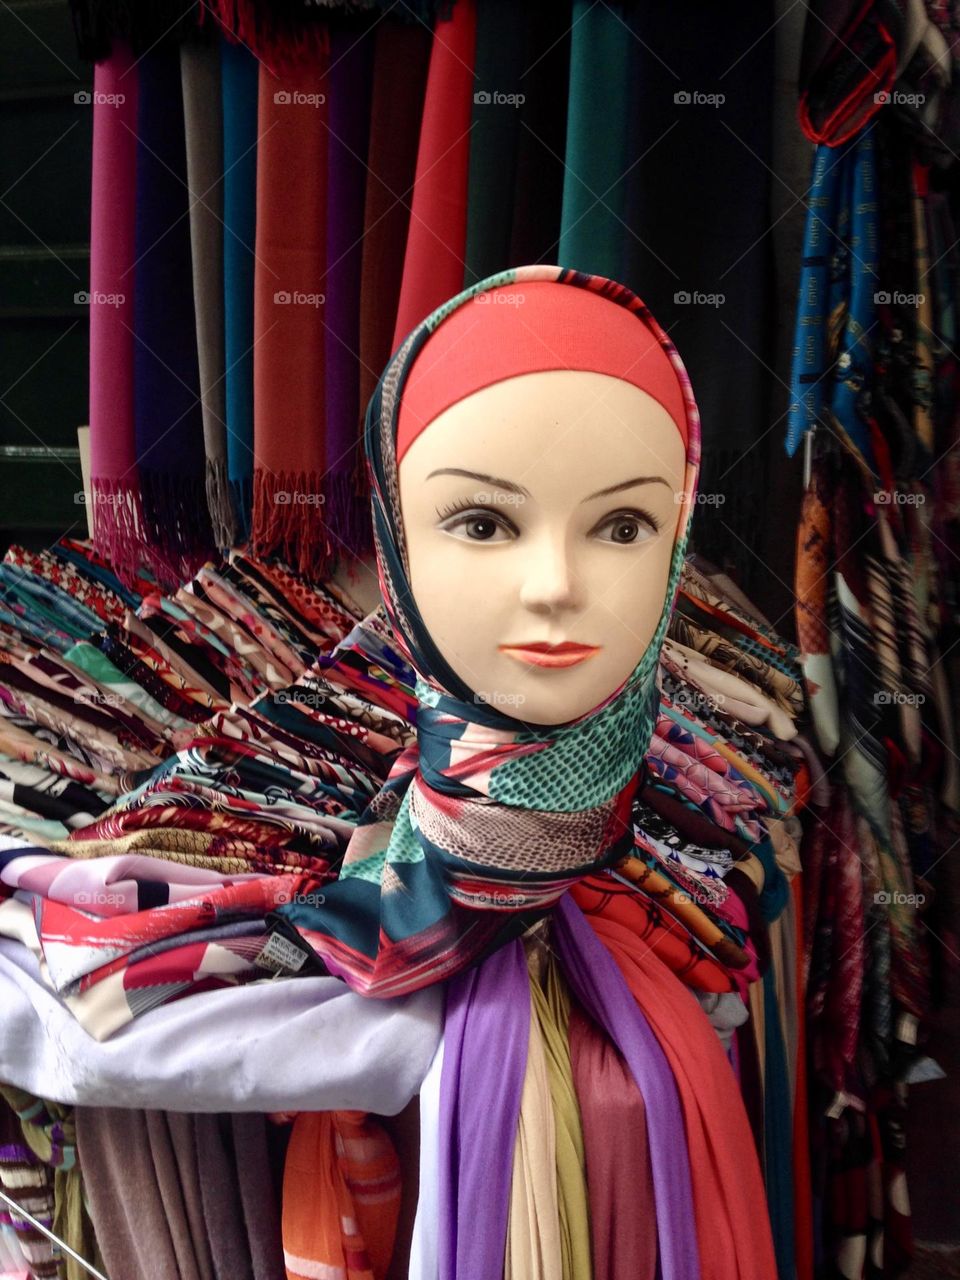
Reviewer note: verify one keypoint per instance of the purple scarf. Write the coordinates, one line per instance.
(486, 1031)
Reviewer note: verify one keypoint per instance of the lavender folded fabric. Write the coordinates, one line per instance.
(252, 1048)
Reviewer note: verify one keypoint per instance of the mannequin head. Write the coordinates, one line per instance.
(543, 510)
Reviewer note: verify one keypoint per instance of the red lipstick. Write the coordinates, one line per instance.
(542, 654)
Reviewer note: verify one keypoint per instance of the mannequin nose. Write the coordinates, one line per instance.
(551, 581)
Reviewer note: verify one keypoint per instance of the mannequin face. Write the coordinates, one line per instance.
(542, 511)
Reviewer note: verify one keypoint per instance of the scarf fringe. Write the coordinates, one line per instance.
(284, 36)
(141, 23)
(295, 527)
(223, 518)
(309, 519)
(348, 512)
(118, 526)
(241, 491)
(176, 523)
(287, 33)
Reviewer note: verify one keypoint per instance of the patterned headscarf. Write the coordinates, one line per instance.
(484, 824)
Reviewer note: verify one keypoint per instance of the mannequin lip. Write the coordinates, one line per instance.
(544, 654)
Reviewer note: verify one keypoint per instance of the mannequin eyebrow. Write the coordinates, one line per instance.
(510, 487)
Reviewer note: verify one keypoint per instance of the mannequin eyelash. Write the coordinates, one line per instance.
(463, 505)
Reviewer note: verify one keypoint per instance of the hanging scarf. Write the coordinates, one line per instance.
(483, 809)
(169, 421)
(341, 1197)
(598, 143)
(238, 81)
(203, 122)
(400, 61)
(285, 33)
(351, 72)
(847, 66)
(113, 459)
(832, 370)
(437, 233)
(293, 456)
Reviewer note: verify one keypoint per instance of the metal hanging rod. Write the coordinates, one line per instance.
(38, 1226)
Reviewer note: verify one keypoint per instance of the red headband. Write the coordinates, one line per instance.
(531, 327)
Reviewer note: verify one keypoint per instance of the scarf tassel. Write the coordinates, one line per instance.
(281, 35)
(223, 517)
(241, 494)
(308, 519)
(286, 33)
(118, 526)
(176, 523)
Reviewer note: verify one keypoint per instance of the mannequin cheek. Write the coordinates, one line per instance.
(631, 599)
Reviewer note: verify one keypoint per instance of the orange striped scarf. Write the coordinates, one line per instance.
(341, 1198)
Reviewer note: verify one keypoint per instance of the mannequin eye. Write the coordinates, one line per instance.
(475, 524)
(626, 527)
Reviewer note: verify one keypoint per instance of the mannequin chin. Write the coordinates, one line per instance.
(559, 534)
